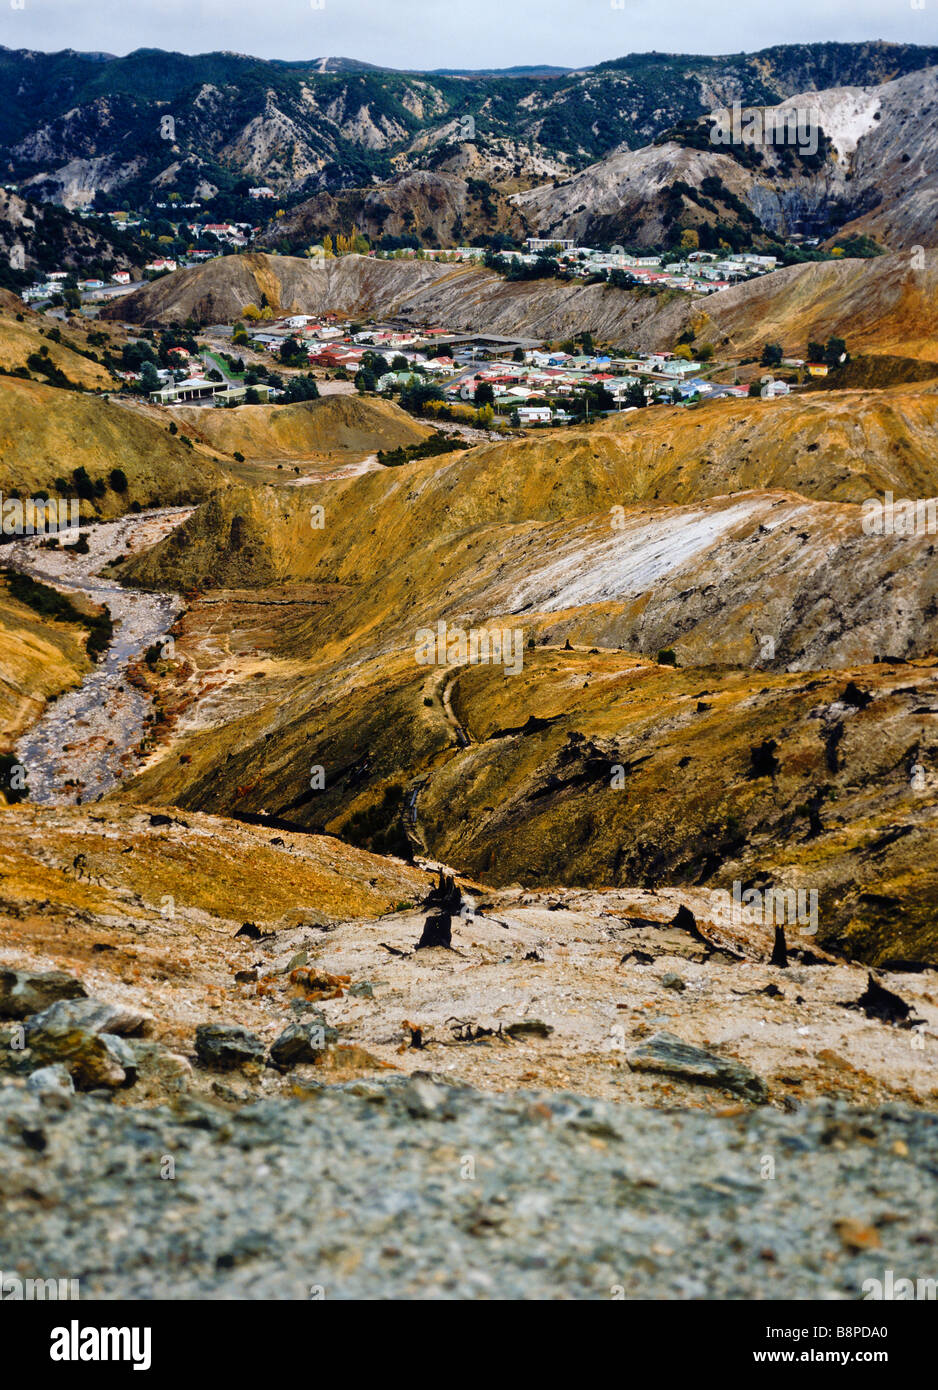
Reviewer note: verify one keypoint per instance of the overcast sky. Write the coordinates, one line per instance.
(457, 33)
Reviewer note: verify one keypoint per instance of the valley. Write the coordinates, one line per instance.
(483, 707)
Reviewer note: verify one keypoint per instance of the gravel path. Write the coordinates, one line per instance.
(412, 1189)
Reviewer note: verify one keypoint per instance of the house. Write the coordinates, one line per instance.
(539, 243)
(397, 380)
(817, 369)
(161, 263)
(678, 367)
(771, 388)
(195, 388)
(534, 414)
(121, 277)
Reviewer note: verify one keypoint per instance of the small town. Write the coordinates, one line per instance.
(479, 379)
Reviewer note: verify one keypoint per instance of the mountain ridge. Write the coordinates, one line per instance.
(82, 121)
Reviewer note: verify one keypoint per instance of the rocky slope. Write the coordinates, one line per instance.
(424, 292)
(530, 1196)
(653, 1037)
(442, 207)
(147, 909)
(876, 172)
(882, 306)
(37, 237)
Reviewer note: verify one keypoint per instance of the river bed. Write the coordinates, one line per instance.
(82, 745)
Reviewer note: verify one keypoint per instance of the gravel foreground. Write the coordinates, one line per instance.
(412, 1189)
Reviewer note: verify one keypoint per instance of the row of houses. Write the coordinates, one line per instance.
(701, 272)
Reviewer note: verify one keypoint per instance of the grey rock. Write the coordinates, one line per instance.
(92, 1015)
(422, 1097)
(669, 1055)
(222, 1046)
(53, 1081)
(25, 992)
(92, 1059)
(160, 1072)
(122, 1050)
(671, 980)
(302, 1042)
(83, 1035)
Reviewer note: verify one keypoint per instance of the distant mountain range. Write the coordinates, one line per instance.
(873, 172)
(73, 124)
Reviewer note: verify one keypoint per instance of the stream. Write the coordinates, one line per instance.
(82, 744)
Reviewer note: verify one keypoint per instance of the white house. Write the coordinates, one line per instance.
(770, 388)
(534, 414)
(541, 243)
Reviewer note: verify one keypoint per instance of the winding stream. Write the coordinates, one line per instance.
(82, 744)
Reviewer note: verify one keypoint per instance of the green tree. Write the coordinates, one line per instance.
(292, 352)
(149, 381)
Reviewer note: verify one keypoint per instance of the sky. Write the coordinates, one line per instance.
(426, 34)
